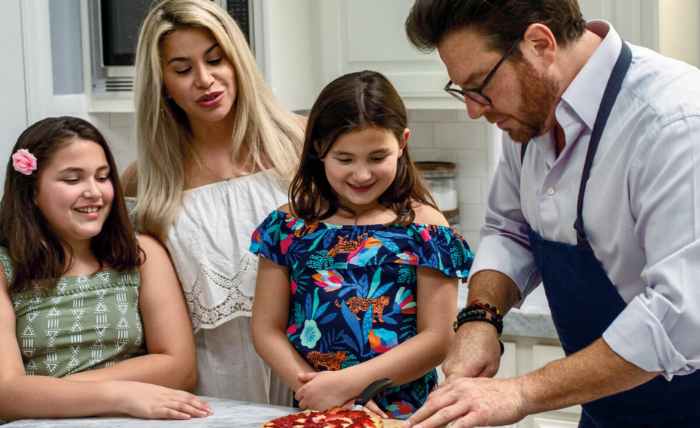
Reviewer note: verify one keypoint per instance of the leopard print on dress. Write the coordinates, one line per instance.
(346, 247)
(357, 304)
(329, 361)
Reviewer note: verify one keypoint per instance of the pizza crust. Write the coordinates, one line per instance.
(333, 418)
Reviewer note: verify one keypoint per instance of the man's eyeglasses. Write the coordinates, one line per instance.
(477, 94)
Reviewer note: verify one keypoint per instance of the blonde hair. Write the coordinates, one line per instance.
(272, 133)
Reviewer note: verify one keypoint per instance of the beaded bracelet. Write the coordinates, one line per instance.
(476, 311)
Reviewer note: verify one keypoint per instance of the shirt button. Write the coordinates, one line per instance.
(550, 191)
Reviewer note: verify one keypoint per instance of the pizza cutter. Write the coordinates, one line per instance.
(372, 389)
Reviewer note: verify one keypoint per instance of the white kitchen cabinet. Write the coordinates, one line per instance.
(369, 34)
(531, 353)
(553, 423)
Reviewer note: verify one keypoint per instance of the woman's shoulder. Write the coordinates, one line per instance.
(425, 214)
(129, 180)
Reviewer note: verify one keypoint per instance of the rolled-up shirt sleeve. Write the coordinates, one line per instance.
(659, 328)
(504, 245)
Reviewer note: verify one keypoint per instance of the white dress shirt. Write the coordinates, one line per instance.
(641, 208)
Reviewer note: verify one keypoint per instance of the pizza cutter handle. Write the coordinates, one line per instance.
(373, 389)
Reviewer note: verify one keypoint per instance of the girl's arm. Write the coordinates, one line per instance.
(23, 396)
(436, 303)
(171, 360)
(270, 318)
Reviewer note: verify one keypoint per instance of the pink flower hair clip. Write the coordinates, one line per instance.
(24, 162)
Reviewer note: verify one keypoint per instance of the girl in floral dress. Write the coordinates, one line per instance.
(92, 319)
(357, 278)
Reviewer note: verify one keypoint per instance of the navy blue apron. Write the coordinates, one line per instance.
(584, 303)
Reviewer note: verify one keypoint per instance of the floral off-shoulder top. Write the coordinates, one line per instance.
(353, 290)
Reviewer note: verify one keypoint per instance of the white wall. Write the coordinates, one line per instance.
(13, 105)
(679, 31)
(451, 136)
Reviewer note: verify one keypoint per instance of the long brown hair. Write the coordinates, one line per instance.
(350, 103)
(36, 251)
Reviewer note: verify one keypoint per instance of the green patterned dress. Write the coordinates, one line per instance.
(87, 322)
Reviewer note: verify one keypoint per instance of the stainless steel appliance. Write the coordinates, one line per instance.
(114, 30)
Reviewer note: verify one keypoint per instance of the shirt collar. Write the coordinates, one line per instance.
(585, 92)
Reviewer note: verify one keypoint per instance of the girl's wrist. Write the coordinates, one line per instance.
(357, 378)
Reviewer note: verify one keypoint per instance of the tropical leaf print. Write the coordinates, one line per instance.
(329, 280)
(329, 265)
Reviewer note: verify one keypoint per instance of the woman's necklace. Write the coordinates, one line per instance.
(214, 172)
(201, 158)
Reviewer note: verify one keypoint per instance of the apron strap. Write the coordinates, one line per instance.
(606, 104)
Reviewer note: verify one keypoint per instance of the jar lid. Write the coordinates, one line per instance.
(436, 166)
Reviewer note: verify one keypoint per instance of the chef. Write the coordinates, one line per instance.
(596, 195)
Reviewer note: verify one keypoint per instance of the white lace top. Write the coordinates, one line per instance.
(209, 244)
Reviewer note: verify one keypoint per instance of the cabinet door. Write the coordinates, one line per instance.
(553, 423)
(369, 35)
(636, 21)
(543, 354)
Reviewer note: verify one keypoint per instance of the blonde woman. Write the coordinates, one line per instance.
(216, 152)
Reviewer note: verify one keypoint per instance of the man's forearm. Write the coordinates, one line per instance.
(494, 288)
(592, 373)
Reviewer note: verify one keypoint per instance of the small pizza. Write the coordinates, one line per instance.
(333, 418)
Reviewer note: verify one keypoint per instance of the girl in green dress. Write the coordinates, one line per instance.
(92, 318)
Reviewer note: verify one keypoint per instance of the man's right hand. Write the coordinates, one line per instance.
(473, 352)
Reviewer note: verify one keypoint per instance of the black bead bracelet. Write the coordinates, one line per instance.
(478, 312)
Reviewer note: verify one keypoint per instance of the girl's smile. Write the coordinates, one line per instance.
(75, 192)
(361, 189)
(362, 164)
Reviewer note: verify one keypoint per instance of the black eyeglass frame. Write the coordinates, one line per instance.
(477, 94)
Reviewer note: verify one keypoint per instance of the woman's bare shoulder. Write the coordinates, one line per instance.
(302, 120)
(129, 180)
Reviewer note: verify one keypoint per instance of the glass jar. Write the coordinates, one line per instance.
(441, 178)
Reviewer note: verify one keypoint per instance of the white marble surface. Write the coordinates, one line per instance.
(227, 413)
(532, 319)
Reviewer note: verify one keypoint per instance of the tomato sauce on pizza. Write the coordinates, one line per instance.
(333, 418)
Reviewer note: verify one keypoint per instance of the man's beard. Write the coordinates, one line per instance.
(538, 93)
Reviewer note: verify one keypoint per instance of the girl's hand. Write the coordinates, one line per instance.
(370, 408)
(147, 401)
(323, 390)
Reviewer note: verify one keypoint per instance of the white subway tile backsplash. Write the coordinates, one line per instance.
(460, 136)
(472, 239)
(123, 160)
(472, 163)
(463, 116)
(472, 217)
(123, 120)
(421, 135)
(469, 190)
(432, 115)
(485, 183)
(442, 155)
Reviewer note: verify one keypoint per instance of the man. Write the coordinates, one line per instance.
(615, 238)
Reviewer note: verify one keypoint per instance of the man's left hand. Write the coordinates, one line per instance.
(472, 402)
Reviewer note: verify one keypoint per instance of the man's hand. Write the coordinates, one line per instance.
(474, 352)
(472, 402)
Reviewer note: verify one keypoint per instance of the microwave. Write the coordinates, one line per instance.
(114, 29)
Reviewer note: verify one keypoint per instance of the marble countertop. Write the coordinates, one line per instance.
(532, 319)
(227, 413)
